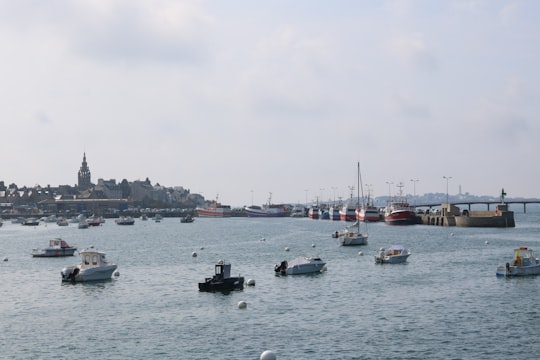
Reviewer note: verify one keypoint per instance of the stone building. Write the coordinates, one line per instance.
(85, 182)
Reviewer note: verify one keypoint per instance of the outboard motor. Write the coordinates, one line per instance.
(281, 268)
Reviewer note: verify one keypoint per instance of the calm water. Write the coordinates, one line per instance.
(445, 303)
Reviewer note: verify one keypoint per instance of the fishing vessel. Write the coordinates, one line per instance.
(214, 210)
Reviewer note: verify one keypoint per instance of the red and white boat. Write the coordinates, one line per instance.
(400, 213)
(215, 209)
(368, 213)
(314, 213)
(348, 212)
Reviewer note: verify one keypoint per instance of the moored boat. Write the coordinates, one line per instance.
(348, 212)
(314, 213)
(368, 213)
(57, 247)
(300, 265)
(94, 266)
(125, 220)
(395, 254)
(30, 222)
(215, 209)
(352, 236)
(187, 219)
(524, 263)
(268, 209)
(333, 211)
(62, 222)
(222, 280)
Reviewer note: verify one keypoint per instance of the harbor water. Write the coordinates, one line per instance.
(444, 303)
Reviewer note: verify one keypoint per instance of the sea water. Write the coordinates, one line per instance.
(444, 303)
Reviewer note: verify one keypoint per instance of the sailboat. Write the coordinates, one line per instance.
(352, 235)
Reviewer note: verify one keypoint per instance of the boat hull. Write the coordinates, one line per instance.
(54, 252)
(75, 274)
(396, 259)
(300, 266)
(353, 239)
(503, 270)
(401, 217)
(368, 215)
(213, 212)
(228, 284)
(271, 212)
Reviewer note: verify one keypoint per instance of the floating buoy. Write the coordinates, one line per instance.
(263, 239)
(5, 259)
(286, 248)
(487, 242)
(194, 254)
(250, 282)
(451, 234)
(268, 355)
(360, 253)
(242, 304)
(202, 247)
(313, 245)
(117, 273)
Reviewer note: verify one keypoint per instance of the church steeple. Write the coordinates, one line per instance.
(84, 175)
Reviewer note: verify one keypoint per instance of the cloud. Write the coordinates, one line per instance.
(413, 50)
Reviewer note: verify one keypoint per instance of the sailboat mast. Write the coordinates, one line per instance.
(360, 186)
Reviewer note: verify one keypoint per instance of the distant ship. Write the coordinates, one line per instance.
(268, 210)
(215, 209)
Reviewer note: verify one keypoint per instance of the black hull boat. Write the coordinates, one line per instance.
(222, 281)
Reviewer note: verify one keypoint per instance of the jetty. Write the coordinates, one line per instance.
(451, 215)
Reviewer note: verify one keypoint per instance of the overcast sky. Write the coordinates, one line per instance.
(247, 98)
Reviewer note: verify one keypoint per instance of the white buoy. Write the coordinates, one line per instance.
(202, 247)
(487, 242)
(286, 248)
(242, 304)
(451, 234)
(313, 245)
(5, 259)
(250, 282)
(263, 239)
(360, 253)
(117, 273)
(268, 355)
(194, 254)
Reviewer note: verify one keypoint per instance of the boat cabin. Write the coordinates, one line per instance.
(58, 243)
(523, 257)
(93, 258)
(223, 270)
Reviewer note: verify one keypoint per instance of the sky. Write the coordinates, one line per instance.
(244, 100)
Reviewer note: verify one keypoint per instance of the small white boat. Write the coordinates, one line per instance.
(301, 265)
(394, 255)
(57, 247)
(125, 220)
(62, 222)
(94, 266)
(524, 263)
(83, 225)
(350, 237)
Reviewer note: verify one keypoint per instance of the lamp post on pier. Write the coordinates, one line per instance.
(447, 179)
(389, 191)
(414, 181)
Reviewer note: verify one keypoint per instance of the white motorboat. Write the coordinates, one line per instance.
(94, 266)
(57, 247)
(301, 265)
(395, 254)
(524, 263)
